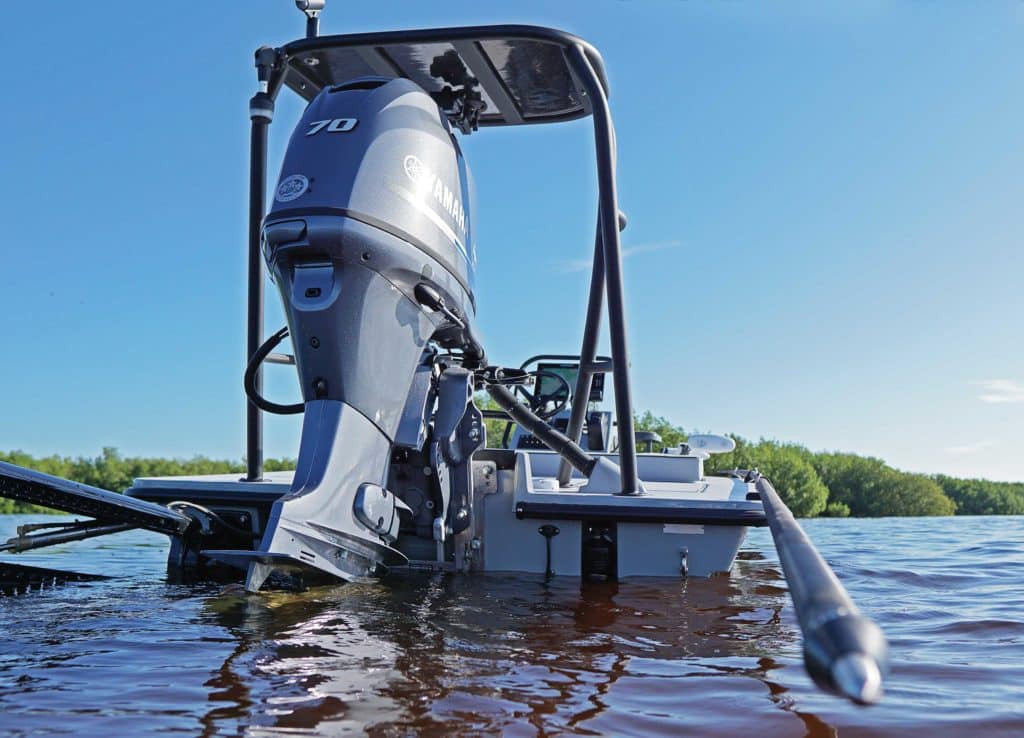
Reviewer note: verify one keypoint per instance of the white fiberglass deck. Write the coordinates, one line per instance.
(279, 481)
(666, 479)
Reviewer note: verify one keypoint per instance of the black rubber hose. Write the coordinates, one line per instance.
(557, 442)
(249, 380)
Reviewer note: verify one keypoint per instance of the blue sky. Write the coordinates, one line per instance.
(824, 201)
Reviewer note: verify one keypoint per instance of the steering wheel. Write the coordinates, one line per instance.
(547, 404)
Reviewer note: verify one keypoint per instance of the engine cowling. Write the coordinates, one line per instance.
(374, 200)
(381, 151)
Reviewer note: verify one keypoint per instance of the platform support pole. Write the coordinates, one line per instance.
(588, 355)
(608, 218)
(261, 113)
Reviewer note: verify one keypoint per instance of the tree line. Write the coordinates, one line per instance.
(836, 484)
(831, 484)
(110, 470)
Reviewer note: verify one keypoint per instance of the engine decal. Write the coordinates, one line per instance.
(431, 215)
(336, 125)
(430, 184)
(291, 188)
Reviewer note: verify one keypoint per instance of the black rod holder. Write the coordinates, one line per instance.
(261, 113)
(604, 140)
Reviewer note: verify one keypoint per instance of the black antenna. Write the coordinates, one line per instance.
(312, 10)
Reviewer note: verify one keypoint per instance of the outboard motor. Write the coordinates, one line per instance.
(370, 241)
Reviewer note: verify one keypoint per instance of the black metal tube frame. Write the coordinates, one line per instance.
(608, 226)
(254, 332)
(261, 113)
(588, 354)
(550, 437)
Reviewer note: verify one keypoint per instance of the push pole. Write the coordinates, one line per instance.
(844, 652)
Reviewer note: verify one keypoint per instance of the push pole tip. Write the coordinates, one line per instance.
(857, 676)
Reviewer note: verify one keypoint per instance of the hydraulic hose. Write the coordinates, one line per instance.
(249, 380)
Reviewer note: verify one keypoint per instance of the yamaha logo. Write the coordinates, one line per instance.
(414, 168)
(429, 184)
(291, 187)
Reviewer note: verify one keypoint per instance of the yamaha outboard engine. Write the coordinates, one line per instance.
(370, 242)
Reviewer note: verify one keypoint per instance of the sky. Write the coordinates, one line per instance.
(824, 201)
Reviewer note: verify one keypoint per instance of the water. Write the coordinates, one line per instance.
(514, 656)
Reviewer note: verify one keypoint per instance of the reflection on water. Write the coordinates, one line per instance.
(445, 654)
(514, 655)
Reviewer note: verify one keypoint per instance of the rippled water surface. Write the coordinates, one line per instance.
(514, 656)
